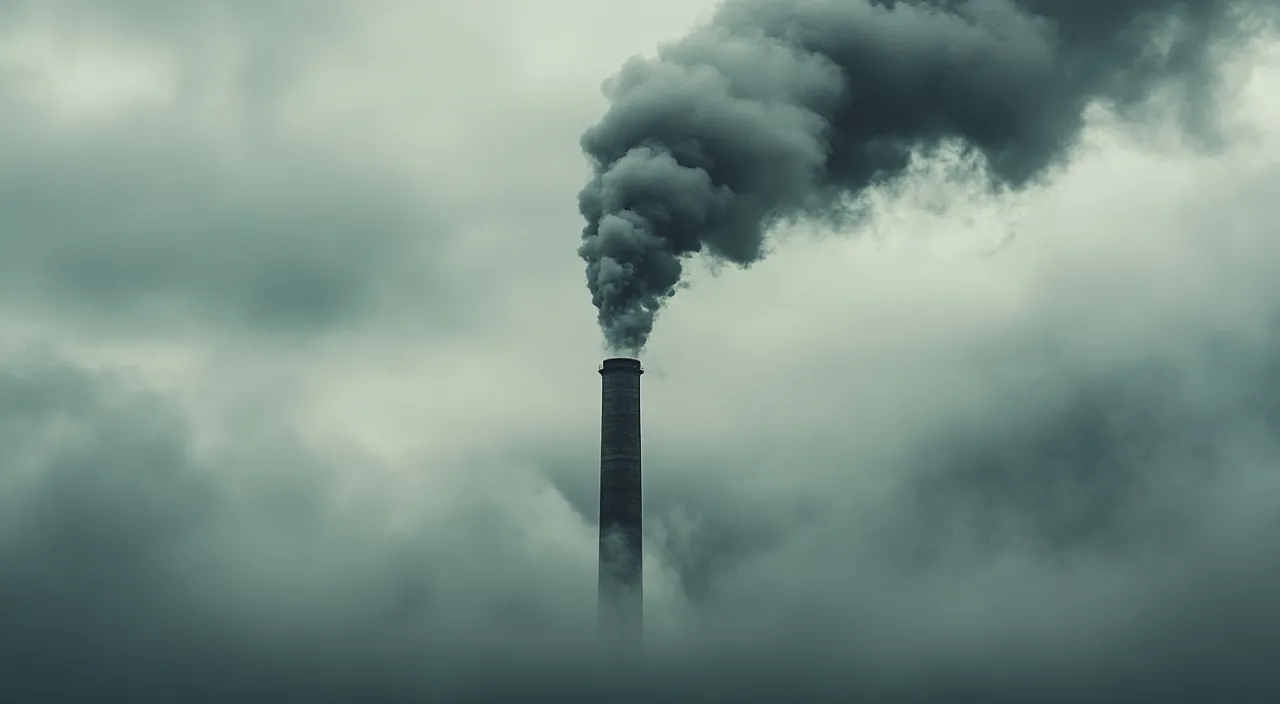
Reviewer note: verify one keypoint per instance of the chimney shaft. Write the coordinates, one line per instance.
(621, 584)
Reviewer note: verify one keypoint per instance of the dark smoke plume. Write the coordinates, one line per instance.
(777, 110)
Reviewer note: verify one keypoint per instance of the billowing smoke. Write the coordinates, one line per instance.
(777, 110)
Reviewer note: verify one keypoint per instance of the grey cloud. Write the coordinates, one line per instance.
(160, 214)
(1093, 536)
(148, 223)
(775, 111)
(1086, 537)
(1091, 544)
(1072, 504)
(136, 568)
(272, 41)
(287, 22)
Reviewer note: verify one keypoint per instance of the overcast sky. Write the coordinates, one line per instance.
(298, 391)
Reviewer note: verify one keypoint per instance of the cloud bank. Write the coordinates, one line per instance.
(150, 174)
(1014, 446)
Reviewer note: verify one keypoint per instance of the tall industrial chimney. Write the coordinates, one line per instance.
(621, 586)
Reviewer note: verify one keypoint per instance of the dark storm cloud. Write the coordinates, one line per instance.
(778, 110)
(196, 208)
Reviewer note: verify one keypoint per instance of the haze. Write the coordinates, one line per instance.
(298, 391)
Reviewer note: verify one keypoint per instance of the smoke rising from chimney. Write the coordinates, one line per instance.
(780, 110)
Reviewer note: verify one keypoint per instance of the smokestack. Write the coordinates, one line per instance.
(621, 585)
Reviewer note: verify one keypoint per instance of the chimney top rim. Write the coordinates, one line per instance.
(621, 364)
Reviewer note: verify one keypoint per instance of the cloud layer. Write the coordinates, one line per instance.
(294, 404)
(150, 173)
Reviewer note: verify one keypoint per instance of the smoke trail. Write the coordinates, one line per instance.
(776, 110)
